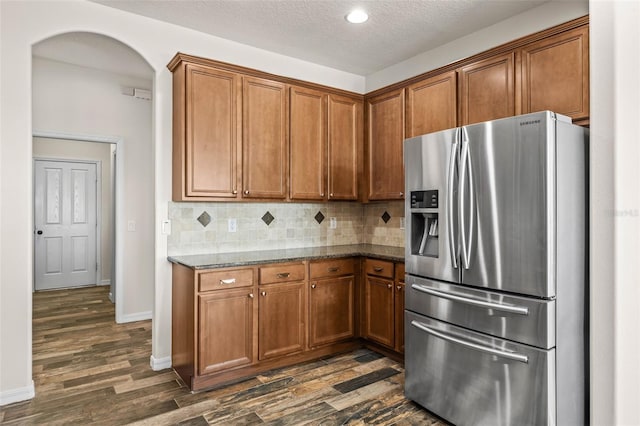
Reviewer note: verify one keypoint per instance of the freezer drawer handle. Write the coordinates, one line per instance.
(509, 355)
(519, 310)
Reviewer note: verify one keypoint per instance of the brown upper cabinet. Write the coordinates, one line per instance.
(432, 105)
(307, 144)
(264, 154)
(206, 131)
(345, 147)
(325, 140)
(555, 74)
(385, 135)
(487, 89)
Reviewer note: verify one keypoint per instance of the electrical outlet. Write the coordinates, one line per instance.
(166, 227)
(131, 226)
(233, 225)
(402, 223)
(333, 223)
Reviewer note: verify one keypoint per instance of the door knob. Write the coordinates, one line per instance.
(39, 232)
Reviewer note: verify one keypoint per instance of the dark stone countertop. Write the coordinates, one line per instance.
(224, 260)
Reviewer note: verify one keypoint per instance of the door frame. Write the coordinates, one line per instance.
(117, 210)
(98, 228)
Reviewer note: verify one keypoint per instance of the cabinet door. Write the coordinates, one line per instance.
(384, 146)
(555, 74)
(399, 316)
(264, 155)
(331, 310)
(212, 100)
(379, 313)
(307, 141)
(282, 322)
(226, 330)
(487, 90)
(432, 105)
(345, 142)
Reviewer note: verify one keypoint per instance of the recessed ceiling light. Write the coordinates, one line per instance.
(357, 16)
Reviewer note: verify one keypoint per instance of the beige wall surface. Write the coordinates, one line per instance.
(57, 149)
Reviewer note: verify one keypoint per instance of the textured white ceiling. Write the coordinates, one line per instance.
(316, 31)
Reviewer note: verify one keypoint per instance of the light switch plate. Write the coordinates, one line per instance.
(131, 226)
(233, 225)
(166, 227)
(402, 223)
(333, 223)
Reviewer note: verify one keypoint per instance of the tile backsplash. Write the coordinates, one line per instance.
(290, 225)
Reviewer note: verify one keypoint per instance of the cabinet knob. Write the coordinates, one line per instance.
(399, 288)
(322, 194)
(389, 285)
(331, 194)
(234, 192)
(246, 192)
(251, 295)
(313, 286)
(401, 194)
(263, 293)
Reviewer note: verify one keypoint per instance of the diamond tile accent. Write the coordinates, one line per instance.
(204, 219)
(319, 217)
(386, 216)
(268, 218)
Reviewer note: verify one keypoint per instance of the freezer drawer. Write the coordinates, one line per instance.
(470, 378)
(521, 319)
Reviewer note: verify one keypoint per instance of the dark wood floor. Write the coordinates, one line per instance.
(89, 370)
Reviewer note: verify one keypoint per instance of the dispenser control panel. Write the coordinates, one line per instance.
(424, 199)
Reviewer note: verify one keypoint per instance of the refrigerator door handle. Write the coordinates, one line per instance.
(464, 160)
(472, 201)
(514, 356)
(512, 309)
(450, 184)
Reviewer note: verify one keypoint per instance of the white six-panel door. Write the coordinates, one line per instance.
(65, 224)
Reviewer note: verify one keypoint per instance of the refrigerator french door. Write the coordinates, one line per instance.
(495, 259)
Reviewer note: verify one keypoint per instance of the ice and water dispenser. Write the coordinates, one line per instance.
(424, 223)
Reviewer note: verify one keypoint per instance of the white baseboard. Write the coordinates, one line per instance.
(16, 395)
(105, 282)
(158, 364)
(140, 316)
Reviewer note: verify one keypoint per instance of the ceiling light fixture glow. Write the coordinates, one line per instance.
(357, 16)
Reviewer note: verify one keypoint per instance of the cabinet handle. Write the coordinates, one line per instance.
(228, 281)
(333, 269)
(263, 293)
(251, 295)
(313, 286)
(283, 275)
(389, 286)
(378, 269)
(246, 192)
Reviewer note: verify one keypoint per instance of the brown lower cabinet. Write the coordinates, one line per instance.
(384, 304)
(229, 323)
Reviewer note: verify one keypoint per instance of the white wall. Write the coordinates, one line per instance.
(78, 100)
(615, 212)
(26, 23)
(93, 151)
(529, 22)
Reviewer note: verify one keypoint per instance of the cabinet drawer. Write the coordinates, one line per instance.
(282, 273)
(380, 268)
(221, 280)
(331, 268)
(399, 271)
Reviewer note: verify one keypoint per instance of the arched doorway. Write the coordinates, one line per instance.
(93, 89)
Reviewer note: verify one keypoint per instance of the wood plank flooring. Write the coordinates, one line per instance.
(89, 370)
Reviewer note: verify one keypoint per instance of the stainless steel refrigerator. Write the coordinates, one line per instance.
(496, 260)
